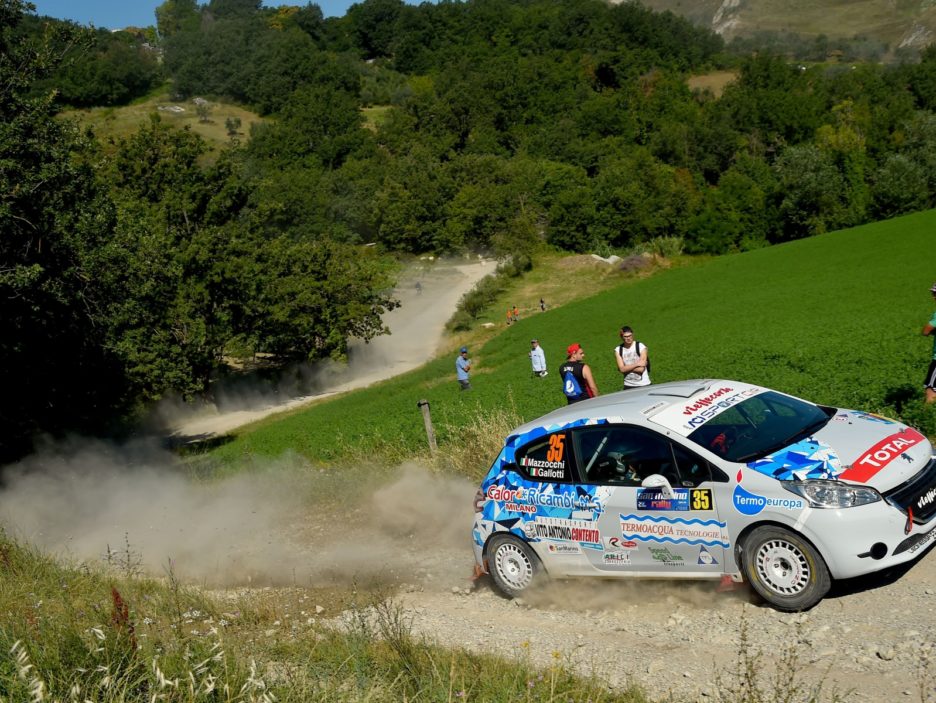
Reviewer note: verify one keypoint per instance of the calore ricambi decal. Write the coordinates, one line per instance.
(689, 415)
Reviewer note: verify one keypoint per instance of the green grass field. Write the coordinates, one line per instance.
(835, 319)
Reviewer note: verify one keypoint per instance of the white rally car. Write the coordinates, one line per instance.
(706, 479)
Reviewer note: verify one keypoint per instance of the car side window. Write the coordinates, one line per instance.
(694, 470)
(547, 459)
(622, 455)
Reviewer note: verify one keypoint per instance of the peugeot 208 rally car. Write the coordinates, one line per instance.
(706, 478)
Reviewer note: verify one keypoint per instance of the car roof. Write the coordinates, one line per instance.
(635, 404)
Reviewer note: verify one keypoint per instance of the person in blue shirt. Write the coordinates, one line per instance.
(929, 330)
(462, 367)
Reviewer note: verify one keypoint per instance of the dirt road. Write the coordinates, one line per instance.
(416, 330)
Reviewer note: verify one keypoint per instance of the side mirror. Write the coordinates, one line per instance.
(658, 481)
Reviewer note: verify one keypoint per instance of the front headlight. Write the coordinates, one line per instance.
(832, 494)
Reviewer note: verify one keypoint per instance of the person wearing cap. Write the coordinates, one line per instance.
(577, 380)
(462, 367)
(929, 330)
(538, 359)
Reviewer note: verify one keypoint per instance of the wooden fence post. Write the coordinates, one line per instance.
(427, 421)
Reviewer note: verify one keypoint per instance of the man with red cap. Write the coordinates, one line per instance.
(577, 380)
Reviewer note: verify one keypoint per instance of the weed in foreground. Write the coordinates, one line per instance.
(754, 681)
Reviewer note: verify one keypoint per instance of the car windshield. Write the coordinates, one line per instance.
(760, 426)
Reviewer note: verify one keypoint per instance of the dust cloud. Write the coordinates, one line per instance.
(133, 508)
(416, 330)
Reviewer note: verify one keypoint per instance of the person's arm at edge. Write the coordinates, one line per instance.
(590, 380)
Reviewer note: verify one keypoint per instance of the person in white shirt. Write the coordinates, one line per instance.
(632, 360)
(538, 358)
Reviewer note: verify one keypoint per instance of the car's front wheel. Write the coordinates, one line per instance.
(785, 569)
(512, 564)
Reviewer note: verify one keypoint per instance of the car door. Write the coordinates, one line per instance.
(556, 514)
(670, 525)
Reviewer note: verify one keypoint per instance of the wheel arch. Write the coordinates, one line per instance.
(738, 550)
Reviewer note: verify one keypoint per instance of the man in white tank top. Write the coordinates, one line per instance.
(632, 361)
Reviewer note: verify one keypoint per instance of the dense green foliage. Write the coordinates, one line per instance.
(510, 122)
(503, 125)
(835, 319)
(127, 278)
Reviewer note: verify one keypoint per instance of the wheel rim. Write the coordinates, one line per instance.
(783, 567)
(514, 566)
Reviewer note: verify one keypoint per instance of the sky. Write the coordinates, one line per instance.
(117, 14)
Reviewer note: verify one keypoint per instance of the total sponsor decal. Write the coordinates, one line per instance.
(569, 530)
(882, 454)
(616, 558)
(748, 503)
(563, 548)
(710, 533)
(706, 558)
(664, 555)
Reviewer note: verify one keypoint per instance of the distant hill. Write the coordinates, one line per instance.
(908, 24)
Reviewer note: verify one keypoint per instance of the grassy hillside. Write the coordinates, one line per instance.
(835, 318)
(887, 20)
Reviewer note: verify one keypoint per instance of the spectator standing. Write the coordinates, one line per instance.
(509, 316)
(577, 380)
(462, 367)
(632, 360)
(538, 359)
(929, 330)
(516, 314)
(542, 305)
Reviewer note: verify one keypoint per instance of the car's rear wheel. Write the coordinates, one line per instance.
(785, 569)
(512, 564)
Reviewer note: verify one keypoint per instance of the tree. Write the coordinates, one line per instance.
(175, 16)
(53, 216)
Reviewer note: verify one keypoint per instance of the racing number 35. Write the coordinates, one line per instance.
(556, 447)
(701, 499)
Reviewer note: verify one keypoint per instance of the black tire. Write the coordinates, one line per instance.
(512, 564)
(785, 569)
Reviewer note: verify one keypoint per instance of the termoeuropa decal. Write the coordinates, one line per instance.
(748, 503)
(648, 528)
(883, 453)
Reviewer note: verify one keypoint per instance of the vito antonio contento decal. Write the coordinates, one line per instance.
(706, 479)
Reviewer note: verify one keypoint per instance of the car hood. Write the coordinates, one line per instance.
(855, 447)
